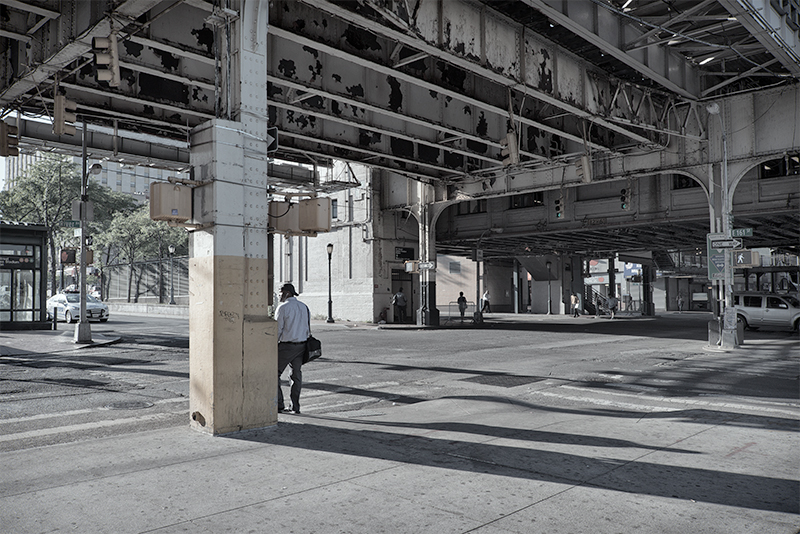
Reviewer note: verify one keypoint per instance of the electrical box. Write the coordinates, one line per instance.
(315, 215)
(170, 202)
(284, 217)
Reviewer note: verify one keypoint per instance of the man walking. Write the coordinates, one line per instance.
(487, 307)
(575, 301)
(399, 300)
(293, 331)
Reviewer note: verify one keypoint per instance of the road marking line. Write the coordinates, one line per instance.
(78, 412)
(88, 426)
(683, 401)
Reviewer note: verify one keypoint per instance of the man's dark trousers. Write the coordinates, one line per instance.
(291, 354)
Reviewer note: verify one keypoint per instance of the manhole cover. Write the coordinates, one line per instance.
(505, 381)
(128, 405)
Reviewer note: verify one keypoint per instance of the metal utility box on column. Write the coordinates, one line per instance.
(233, 351)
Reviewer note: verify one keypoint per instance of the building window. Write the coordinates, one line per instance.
(527, 200)
(334, 208)
(472, 206)
(788, 165)
(455, 267)
(683, 182)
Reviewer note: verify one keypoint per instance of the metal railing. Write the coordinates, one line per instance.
(454, 314)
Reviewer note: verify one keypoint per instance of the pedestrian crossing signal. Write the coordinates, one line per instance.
(69, 256)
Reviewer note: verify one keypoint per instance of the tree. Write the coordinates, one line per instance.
(134, 237)
(43, 195)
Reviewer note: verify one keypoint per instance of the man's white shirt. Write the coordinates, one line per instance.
(292, 316)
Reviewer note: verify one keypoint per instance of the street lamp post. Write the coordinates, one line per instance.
(83, 330)
(171, 275)
(549, 293)
(330, 298)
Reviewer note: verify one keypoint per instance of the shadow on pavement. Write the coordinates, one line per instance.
(629, 476)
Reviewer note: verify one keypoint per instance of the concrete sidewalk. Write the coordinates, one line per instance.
(560, 461)
(450, 465)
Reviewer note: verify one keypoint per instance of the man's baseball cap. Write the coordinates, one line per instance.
(289, 288)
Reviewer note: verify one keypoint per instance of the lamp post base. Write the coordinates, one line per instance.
(83, 332)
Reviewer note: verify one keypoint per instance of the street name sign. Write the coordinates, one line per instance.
(742, 232)
(70, 224)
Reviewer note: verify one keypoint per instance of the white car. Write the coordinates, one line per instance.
(756, 310)
(68, 307)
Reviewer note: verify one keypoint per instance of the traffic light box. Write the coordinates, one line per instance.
(583, 168)
(106, 59)
(9, 140)
(625, 198)
(559, 207)
(510, 151)
(64, 116)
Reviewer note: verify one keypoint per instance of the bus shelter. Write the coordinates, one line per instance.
(23, 280)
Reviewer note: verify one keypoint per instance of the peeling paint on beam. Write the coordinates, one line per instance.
(468, 65)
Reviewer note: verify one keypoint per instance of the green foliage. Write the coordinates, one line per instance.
(133, 236)
(43, 194)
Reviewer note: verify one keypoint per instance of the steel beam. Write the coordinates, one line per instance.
(579, 17)
(770, 28)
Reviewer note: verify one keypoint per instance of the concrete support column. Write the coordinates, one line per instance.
(612, 277)
(648, 275)
(233, 352)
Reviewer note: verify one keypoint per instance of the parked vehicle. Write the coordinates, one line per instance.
(768, 310)
(69, 307)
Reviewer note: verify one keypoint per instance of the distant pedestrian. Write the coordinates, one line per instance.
(612, 302)
(576, 302)
(680, 303)
(293, 331)
(400, 302)
(462, 304)
(486, 307)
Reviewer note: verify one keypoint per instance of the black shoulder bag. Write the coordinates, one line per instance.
(313, 345)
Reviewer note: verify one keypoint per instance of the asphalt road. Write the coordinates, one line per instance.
(141, 381)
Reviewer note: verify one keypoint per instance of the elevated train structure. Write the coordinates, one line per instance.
(519, 127)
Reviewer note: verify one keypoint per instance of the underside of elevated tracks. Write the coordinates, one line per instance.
(430, 91)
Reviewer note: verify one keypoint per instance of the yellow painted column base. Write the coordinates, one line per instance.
(233, 354)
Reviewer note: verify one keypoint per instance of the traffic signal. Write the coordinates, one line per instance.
(583, 168)
(559, 203)
(68, 256)
(64, 116)
(510, 150)
(9, 139)
(625, 198)
(106, 59)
